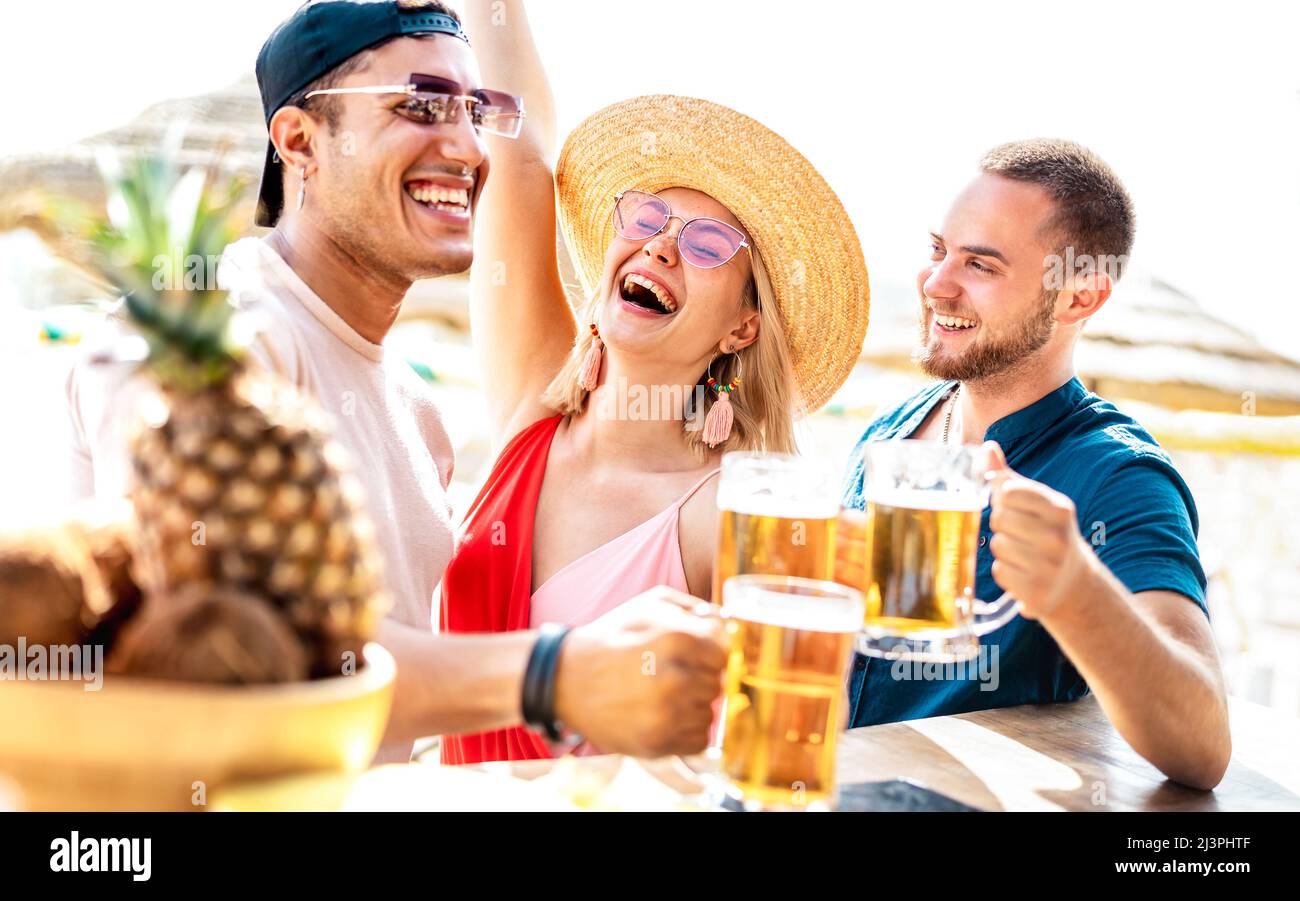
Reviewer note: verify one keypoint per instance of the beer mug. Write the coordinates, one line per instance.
(923, 505)
(791, 640)
(776, 516)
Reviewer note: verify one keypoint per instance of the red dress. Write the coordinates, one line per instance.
(488, 585)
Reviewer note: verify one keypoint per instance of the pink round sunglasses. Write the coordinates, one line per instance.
(703, 242)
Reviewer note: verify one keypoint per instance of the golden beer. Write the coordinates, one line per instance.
(767, 544)
(776, 516)
(920, 553)
(790, 643)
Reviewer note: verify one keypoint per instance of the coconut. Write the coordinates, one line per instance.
(51, 592)
(105, 531)
(207, 633)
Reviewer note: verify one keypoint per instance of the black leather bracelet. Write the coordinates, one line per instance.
(539, 681)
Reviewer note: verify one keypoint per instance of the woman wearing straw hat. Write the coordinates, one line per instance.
(726, 294)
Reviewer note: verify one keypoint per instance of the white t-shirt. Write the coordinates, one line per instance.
(384, 416)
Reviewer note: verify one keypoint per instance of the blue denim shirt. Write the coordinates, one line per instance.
(1132, 504)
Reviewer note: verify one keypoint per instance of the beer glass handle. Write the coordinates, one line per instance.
(990, 616)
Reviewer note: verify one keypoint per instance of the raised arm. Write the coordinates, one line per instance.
(522, 324)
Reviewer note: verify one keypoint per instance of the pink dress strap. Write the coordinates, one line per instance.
(641, 558)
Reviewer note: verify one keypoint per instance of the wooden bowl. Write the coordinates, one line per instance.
(140, 744)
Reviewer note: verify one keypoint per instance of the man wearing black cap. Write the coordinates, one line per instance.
(376, 118)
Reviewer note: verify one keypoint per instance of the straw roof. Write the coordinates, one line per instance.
(222, 128)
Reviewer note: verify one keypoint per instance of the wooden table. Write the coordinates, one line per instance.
(1048, 757)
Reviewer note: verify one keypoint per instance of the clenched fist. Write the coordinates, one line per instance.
(641, 680)
(1038, 553)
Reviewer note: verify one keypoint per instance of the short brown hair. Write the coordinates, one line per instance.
(1094, 213)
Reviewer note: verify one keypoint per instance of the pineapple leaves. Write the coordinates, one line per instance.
(158, 244)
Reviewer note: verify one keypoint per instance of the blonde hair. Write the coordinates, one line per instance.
(765, 402)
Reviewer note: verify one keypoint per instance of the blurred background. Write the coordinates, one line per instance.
(1196, 106)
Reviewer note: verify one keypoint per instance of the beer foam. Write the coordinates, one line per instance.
(919, 499)
(751, 504)
(801, 612)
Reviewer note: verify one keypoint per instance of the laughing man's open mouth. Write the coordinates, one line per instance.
(955, 323)
(439, 197)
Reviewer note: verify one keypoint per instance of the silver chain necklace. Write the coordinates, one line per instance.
(947, 419)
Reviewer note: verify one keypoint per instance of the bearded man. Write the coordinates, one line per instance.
(1090, 525)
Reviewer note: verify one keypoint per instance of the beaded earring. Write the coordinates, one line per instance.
(717, 425)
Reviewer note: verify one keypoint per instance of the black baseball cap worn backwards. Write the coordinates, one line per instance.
(314, 40)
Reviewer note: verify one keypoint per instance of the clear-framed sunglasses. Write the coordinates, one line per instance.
(438, 101)
(703, 242)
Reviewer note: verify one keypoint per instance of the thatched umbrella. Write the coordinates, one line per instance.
(222, 128)
(1155, 344)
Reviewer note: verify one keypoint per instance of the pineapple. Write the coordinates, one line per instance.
(237, 485)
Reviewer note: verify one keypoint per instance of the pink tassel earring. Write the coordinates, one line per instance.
(717, 425)
(589, 374)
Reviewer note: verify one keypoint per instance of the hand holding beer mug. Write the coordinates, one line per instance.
(776, 516)
(913, 552)
(791, 640)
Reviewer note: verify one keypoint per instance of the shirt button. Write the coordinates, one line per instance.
(984, 539)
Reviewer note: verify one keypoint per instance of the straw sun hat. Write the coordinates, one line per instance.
(798, 225)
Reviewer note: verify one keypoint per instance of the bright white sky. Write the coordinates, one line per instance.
(1196, 106)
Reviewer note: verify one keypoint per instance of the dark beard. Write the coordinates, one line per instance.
(988, 358)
